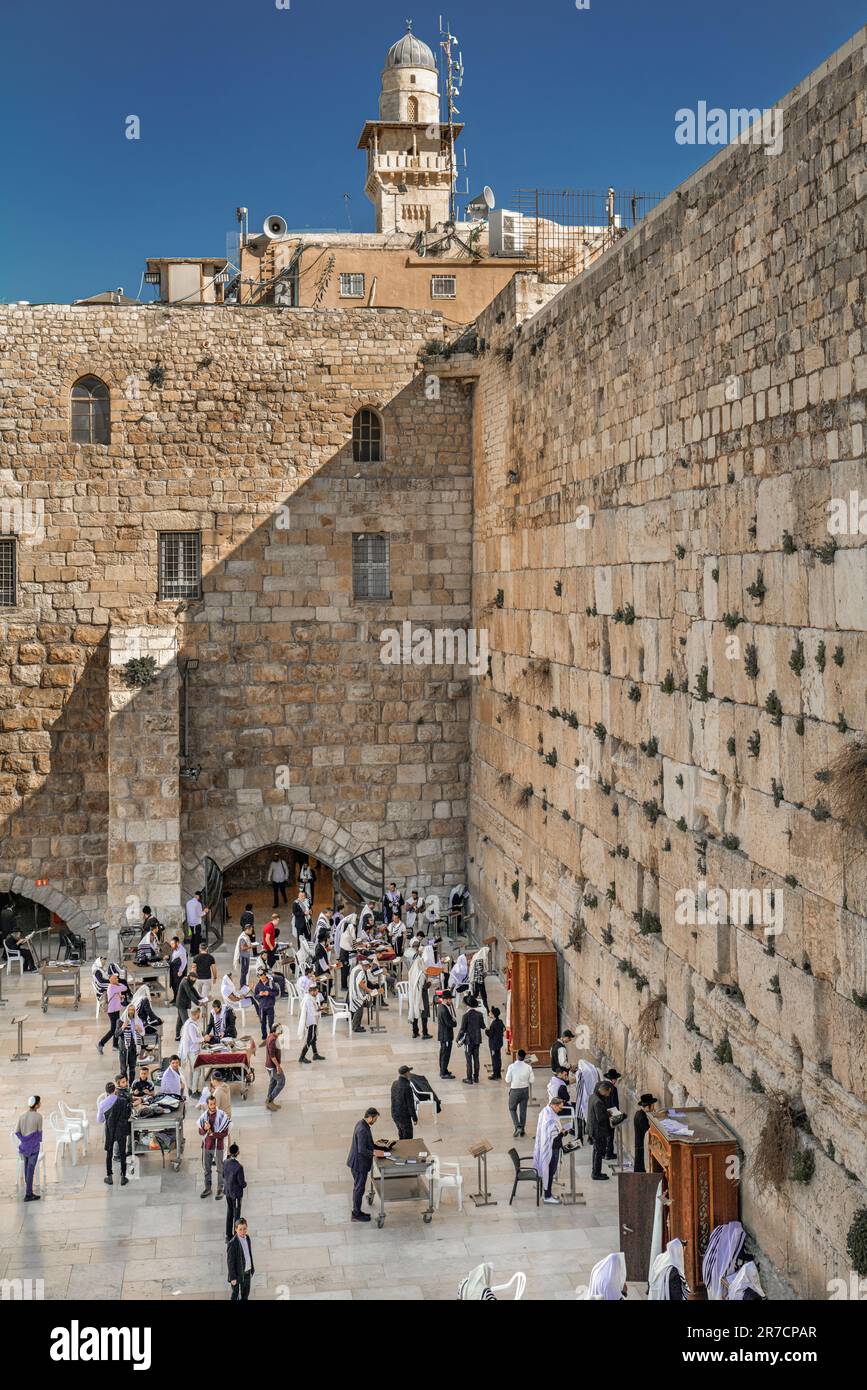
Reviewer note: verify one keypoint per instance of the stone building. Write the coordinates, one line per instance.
(626, 490)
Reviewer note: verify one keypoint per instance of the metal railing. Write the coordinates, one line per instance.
(564, 230)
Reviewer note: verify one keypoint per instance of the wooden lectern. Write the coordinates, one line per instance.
(699, 1170)
(531, 993)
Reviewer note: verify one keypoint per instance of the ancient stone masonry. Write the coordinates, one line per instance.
(236, 424)
(679, 650)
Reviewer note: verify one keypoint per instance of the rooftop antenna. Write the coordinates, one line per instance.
(348, 213)
(454, 79)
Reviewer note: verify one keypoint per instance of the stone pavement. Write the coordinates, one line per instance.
(156, 1239)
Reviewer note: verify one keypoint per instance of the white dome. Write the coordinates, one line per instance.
(410, 52)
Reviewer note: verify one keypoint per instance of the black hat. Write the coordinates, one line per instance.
(404, 1071)
(648, 1099)
(613, 1074)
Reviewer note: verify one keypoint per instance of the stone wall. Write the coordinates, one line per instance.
(679, 652)
(235, 423)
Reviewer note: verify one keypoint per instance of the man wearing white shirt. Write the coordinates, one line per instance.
(308, 1024)
(348, 943)
(196, 913)
(278, 877)
(191, 1043)
(519, 1079)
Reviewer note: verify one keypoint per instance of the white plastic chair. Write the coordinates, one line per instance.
(14, 957)
(65, 1137)
(19, 1167)
(446, 1174)
(402, 990)
(292, 996)
(520, 1282)
(75, 1117)
(340, 1013)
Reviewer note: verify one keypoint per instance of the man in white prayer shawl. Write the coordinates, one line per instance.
(546, 1150)
(721, 1257)
(608, 1280)
(418, 997)
(191, 1045)
(591, 1076)
(459, 973)
(745, 1286)
(667, 1282)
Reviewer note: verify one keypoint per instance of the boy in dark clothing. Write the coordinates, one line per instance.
(496, 1031)
(234, 1183)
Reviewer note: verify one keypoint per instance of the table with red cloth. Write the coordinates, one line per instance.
(235, 1063)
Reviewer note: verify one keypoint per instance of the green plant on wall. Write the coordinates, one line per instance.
(140, 670)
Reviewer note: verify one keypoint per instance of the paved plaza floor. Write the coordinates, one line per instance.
(156, 1239)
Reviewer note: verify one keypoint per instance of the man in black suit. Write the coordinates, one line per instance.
(360, 1160)
(600, 1128)
(239, 1255)
(403, 1107)
(446, 1024)
(470, 1036)
(117, 1127)
(188, 998)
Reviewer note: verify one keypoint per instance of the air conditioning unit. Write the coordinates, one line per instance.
(505, 233)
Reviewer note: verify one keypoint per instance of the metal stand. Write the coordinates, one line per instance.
(377, 1027)
(20, 1055)
(573, 1198)
(3, 1002)
(482, 1198)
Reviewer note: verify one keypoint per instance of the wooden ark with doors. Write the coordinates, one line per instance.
(532, 1016)
(701, 1175)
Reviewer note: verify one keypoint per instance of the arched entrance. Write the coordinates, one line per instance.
(305, 834)
(33, 905)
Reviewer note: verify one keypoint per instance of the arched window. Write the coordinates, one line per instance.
(412, 109)
(367, 437)
(89, 411)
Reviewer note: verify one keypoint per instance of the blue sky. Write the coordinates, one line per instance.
(245, 103)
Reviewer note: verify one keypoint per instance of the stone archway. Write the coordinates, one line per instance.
(73, 914)
(306, 830)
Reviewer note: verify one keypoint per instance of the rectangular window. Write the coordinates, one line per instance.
(351, 286)
(370, 577)
(8, 576)
(180, 565)
(443, 287)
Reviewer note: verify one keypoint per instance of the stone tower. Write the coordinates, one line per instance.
(409, 164)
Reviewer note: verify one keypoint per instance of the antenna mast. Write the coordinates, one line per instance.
(454, 79)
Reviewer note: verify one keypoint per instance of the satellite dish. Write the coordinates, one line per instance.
(274, 226)
(482, 204)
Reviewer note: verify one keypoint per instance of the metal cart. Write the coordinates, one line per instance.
(144, 1127)
(409, 1179)
(234, 1064)
(59, 980)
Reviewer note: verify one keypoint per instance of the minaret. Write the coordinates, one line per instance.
(409, 166)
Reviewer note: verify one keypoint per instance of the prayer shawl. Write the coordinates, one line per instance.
(322, 923)
(660, 1272)
(428, 955)
(459, 972)
(140, 995)
(414, 909)
(555, 1085)
(591, 1076)
(747, 1277)
(357, 996)
(607, 1279)
(236, 958)
(480, 965)
(723, 1248)
(365, 917)
(308, 1015)
(656, 1234)
(547, 1128)
(191, 1041)
(476, 1288)
(415, 993)
(219, 1123)
(303, 955)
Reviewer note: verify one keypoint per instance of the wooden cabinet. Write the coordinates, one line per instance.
(532, 1017)
(700, 1176)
